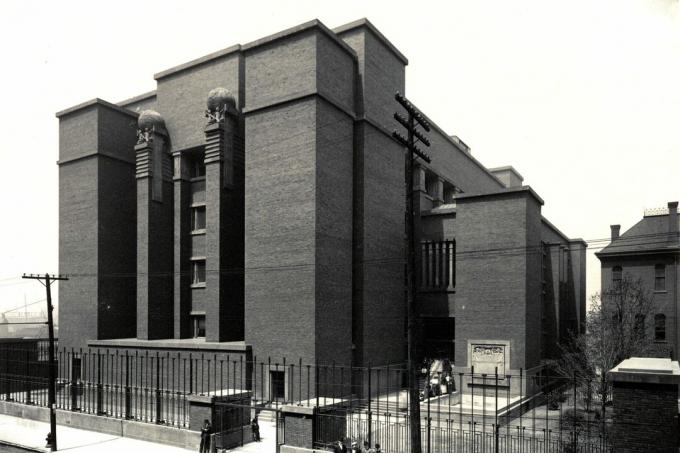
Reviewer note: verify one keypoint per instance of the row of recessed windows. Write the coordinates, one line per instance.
(659, 277)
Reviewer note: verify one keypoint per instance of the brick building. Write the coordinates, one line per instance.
(273, 225)
(650, 251)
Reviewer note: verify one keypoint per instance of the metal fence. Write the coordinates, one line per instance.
(463, 412)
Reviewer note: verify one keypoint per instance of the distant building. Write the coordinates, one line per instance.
(650, 251)
(273, 227)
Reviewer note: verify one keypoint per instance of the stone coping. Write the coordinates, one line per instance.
(134, 99)
(364, 22)
(93, 102)
(179, 344)
(503, 191)
(646, 370)
(209, 397)
(308, 407)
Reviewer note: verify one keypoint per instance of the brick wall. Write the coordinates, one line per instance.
(645, 417)
(299, 430)
(97, 222)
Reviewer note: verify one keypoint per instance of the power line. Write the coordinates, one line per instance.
(22, 306)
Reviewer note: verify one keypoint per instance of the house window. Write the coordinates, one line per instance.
(198, 219)
(660, 277)
(197, 272)
(616, 277)
(660, 327)
(199, 326)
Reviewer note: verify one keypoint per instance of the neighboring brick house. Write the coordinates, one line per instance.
(274, 228)
(650, 251)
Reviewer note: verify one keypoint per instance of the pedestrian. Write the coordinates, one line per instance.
(377, 448)
(337, 446)
(206, 431)
(342, 446)
(355, 447)
(366, 448)
(255, 429)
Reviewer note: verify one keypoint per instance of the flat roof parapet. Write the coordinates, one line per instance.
(93, 102)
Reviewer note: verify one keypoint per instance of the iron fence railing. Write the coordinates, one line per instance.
(459, 411)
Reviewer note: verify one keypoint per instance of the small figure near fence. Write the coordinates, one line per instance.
(206, 431)
(340, 447)
(255, 429)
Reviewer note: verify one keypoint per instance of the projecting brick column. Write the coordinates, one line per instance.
(182, 247)
(224, 220)
(154, 229)
(645, 396)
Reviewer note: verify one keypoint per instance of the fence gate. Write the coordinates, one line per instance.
(233, 426)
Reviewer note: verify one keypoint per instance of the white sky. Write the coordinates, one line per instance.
(582, 97)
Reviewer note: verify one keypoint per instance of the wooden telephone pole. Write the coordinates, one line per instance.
(415, 118)
(47, 280)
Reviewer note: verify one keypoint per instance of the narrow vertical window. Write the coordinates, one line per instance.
(198, 272)
(198, 219)
(199, 326)
(660, 327)
(660, 277)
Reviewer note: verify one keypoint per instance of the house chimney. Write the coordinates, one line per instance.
(615, 231)
(672, 216)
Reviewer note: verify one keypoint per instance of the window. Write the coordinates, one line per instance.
(197, 272)
(660, 277)
(197, 169)
(198, 218)
(438, 265)
(660, 327)
(616, 277)
(199, 326)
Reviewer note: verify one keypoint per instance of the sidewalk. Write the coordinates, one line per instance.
(31, 434)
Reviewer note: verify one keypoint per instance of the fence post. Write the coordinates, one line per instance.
(100, 388)
(370, 413)
(507, 403)
(74, 382)
(158, 390)
(27, 381)
(128, 392)
(191, 375)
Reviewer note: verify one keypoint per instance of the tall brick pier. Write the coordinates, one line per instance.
(645, 396)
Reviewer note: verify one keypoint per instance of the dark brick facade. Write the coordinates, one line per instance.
(304, 248)
(653, 405)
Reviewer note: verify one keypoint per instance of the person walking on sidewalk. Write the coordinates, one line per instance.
(206, 431)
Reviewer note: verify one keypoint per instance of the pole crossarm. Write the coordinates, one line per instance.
(412, 147)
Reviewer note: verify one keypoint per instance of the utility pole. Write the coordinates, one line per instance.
(51, 391)
(415, 118)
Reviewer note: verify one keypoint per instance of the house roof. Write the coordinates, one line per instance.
(648, 235)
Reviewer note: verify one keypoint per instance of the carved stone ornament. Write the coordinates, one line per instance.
(149, 122)
(218, 99)
(144, 136)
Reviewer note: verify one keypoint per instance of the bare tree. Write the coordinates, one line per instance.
(615, 330)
